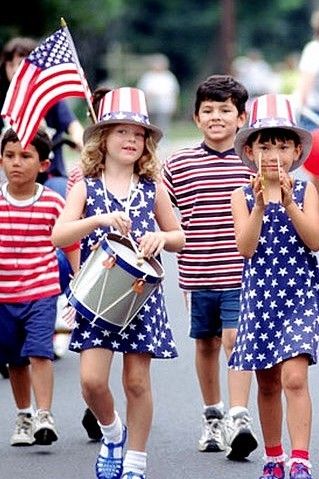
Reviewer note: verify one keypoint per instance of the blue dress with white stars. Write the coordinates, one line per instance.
(149, 332)
(279, 313)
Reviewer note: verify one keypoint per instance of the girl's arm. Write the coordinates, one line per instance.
(71, 227)
(306, 222)
(74, 259)
(247, 224)
(171, 236)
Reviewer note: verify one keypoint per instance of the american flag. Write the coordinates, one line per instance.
(50, 73)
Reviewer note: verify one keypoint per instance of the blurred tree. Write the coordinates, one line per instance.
(198, 36)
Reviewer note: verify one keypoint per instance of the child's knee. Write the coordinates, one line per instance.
(92, 386)
(136, 386)
(206, 347)
(294, 382)
(269, 385)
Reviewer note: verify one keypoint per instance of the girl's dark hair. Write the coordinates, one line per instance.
(273, 135)
(41, 142)
(221, 88)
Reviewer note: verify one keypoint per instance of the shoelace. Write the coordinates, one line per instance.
(23, 423)
(242, 421)
(213, 428)
(44, 417)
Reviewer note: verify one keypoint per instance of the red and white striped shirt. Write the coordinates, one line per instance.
(200, 182)
(28, 261)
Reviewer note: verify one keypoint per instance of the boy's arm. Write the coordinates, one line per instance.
(247, 224)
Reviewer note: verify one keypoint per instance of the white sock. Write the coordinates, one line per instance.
(26, 410)
(220, 406)
(112, 432)
(237, 410)
(135, 461)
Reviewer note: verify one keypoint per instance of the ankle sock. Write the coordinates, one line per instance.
(26, 410)
(220, 406)
(275, 454)
(135, 461)
(112, 432)
(233, 411)
(300, 456)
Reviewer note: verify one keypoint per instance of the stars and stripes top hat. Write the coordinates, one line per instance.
(272, 111)
(123, 105)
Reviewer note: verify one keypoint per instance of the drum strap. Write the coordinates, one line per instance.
(128, 199)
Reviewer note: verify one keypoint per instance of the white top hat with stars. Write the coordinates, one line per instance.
(272, 111)
(123, 105)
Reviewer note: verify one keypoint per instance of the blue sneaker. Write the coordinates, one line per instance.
(133, 475)
(111, 466)
(273, 470)
(299, 471)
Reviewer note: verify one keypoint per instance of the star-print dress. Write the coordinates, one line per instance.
(149, 332)
(279, 313)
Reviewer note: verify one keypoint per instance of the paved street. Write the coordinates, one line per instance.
(173, 442)
(176, 427)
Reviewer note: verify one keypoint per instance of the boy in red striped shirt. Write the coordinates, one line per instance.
(29, 283)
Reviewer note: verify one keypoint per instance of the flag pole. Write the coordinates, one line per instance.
(80, 71)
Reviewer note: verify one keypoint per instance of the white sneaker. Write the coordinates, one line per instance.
(23, 432)
(44, 429)
(240, 439)
(212, 438)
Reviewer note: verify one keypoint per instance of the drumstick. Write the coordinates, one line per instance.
(260, 171)
(139, 254)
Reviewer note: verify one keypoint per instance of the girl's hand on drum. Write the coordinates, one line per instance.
(118, 220)
(151, 243)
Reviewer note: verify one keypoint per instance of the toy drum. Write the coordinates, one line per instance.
(112, 285)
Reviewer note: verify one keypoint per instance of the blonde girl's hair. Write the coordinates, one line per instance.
(94, 153)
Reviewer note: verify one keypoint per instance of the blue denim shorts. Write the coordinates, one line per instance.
(26, 330)
(212, 311)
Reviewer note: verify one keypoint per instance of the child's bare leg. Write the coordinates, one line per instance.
(137, 386)
(42, 381)
(295, 386)
(95, 370)
(239, 382)
(270, 405)
(20, 381)
(207, 367)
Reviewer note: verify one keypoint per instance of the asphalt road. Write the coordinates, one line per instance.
(172, 445)
(172, 448)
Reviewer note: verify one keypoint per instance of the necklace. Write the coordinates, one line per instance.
(129, 197)
(24, 219)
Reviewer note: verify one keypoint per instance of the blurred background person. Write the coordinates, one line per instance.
(307, 93)
(161, 90)
(60, 119)
(255, 73)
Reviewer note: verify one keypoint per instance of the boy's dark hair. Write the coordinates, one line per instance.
(220, 88)
(273, 135)
(41, 142)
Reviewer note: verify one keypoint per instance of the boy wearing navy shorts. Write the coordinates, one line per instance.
(29, 284)
(200, 181)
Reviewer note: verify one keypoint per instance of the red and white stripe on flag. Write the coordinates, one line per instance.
(39, 83)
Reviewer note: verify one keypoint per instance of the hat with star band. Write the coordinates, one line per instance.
(123, 105)
(272, 111)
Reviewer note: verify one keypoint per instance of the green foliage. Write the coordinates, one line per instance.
(187, 31)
